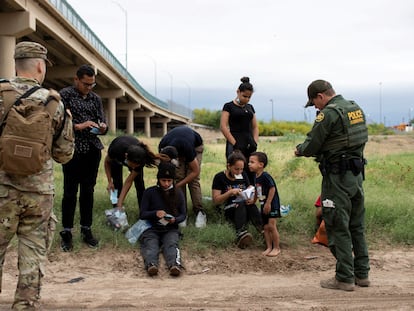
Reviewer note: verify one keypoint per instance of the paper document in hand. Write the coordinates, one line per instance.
(248, 193)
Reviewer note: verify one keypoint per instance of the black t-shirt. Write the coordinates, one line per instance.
(222, 183)
(240, 125)
(119, 146)
(184, 139)
(240, 118)
(263, 185)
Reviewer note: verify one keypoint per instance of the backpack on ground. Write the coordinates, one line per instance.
(26, 130)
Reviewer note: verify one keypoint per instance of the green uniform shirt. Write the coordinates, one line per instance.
(329, 125)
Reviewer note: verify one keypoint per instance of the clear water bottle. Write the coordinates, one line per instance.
(113, 196)
(136, 230)
(284, 210)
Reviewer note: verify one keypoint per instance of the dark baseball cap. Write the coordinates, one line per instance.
(28, 49)
(317, 86)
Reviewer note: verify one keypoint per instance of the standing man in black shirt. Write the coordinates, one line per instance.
(81, 172)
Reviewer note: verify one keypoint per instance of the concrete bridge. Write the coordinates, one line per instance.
(71, 43)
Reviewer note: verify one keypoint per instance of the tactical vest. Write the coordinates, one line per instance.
(355, 131)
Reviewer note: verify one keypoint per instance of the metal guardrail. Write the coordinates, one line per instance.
(70, 14)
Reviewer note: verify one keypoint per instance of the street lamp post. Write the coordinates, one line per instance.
(126, 32)
(155, 73)
(380, 102)
(171, 87)
(271, 101)
(189, 95)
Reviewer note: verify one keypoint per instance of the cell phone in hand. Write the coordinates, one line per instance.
(94, 130)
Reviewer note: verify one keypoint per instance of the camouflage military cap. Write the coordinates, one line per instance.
(28, 49)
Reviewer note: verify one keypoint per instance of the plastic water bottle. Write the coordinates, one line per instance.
(136, 230)
(284, 210)
(113, 196)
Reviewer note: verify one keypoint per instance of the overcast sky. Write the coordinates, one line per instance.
(364, 48)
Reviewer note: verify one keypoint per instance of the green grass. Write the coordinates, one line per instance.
(388, 188)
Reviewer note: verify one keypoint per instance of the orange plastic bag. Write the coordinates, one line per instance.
(320, 235)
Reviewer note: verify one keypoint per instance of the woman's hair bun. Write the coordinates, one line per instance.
(245, 80)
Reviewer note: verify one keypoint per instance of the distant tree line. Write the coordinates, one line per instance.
(275, 128)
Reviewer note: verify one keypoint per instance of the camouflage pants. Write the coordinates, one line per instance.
(28, 215)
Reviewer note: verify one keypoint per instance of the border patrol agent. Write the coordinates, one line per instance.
(26, 202)
(337, 141)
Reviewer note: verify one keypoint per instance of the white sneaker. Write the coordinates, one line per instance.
(183, 223)
(201, 220)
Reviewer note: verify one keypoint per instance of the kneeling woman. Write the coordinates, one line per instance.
(227, 189)
(164, 207)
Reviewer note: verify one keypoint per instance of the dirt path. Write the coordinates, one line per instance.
(233, 280)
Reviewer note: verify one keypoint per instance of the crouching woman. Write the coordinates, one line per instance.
(164, 207)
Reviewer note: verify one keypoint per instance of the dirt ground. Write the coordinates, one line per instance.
(231, 280)
(224, 280)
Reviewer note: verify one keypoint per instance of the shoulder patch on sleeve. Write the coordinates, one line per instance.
(320, 117)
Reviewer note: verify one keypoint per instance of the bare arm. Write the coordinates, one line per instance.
(268, 203)
(194, 172)
(255, 128)
(220, 198)
(107, 165)
(125, 188)
(85, 125)
(224, 127)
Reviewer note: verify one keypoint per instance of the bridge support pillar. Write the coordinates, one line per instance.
(7, 44)
(130, 121)
(147, 126)
(164, 128)
(112, 114)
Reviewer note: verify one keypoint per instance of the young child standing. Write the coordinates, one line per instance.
(268, 196)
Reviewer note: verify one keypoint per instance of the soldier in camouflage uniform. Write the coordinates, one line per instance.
(337, 140)
(26, 202)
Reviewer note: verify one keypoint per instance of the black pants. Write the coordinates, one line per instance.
(241, 215)
(117, 178)
(80, 173)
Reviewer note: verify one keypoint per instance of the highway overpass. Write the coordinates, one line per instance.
(71, 43)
